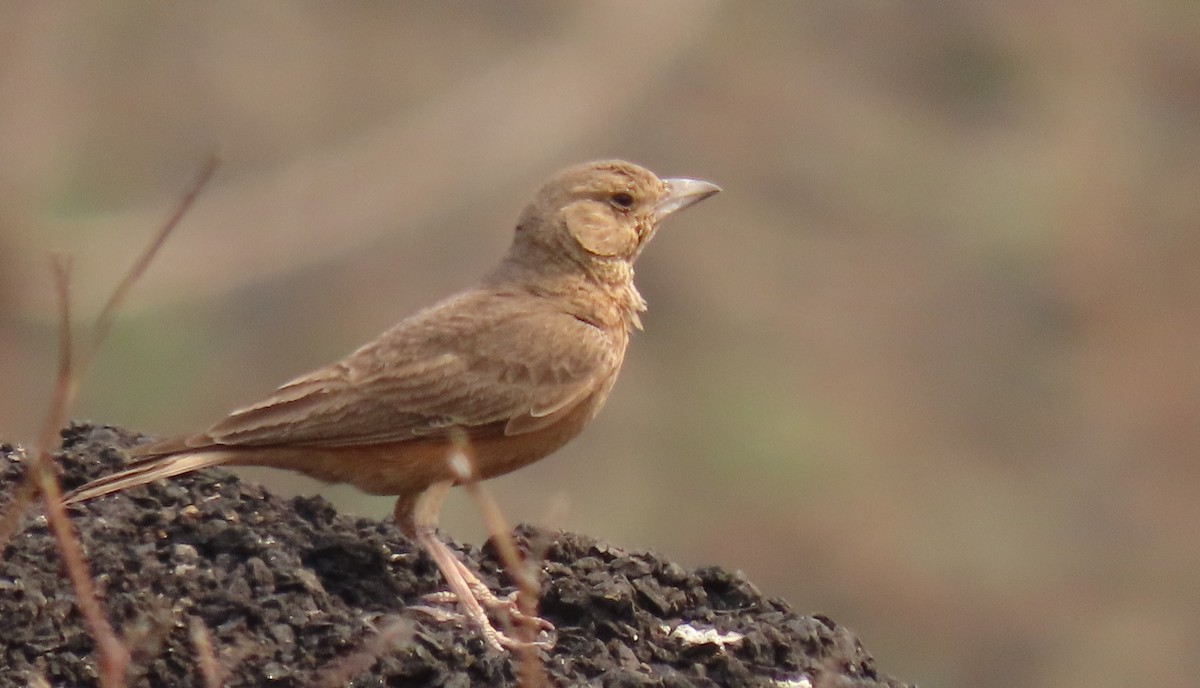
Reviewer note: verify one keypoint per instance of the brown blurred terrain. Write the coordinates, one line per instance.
(930, 365)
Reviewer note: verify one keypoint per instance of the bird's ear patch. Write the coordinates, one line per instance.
(592, 225)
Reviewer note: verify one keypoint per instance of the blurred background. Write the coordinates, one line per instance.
(929, 365)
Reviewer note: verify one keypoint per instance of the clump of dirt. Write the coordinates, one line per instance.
(289, 588)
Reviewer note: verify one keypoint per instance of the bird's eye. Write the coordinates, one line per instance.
(622, 200)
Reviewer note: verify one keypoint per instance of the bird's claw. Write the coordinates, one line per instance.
(506, 607)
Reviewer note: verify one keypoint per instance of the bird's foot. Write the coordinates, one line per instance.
(475, 613)
(507, 607)
(473, 598)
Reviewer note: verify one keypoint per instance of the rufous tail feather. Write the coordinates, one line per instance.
(147, 470)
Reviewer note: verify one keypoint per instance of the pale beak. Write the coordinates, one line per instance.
(682, 193)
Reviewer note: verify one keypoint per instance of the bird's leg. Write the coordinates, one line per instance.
(420, 517)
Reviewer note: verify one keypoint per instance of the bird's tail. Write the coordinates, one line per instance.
(147, 470)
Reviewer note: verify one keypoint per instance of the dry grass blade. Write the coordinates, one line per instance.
(58, 404)
(65, 395)
(493, 518)
(206, 659)
(396, 632)
(114, 656)
(531, 673)
(108, 314)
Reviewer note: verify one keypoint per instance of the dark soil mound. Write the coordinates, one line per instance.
(288, 588)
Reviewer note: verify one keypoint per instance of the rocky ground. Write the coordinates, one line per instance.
(294, 594)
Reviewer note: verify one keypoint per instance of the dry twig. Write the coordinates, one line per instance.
(42, 477)
(531, 673)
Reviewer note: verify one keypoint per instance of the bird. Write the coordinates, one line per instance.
(513, 367)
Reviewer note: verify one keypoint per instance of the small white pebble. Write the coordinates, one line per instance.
(695, 636)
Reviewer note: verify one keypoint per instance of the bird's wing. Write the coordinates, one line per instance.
(483, 363)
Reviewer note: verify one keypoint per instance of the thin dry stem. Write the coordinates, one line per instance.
(396, 632)
(497, 525)
(65, 396)
(113, 655)
(206, 659)
(108, 314)
(531, 672)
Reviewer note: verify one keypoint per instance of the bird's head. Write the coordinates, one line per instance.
(600, 213)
